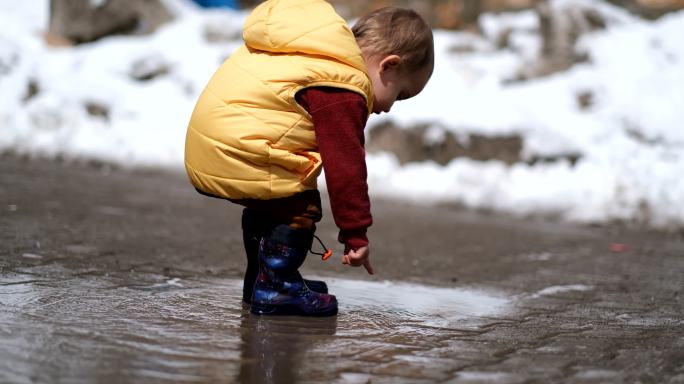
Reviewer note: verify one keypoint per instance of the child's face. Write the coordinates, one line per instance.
(391, 83)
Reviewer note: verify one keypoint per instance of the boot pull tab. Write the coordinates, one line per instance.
(324, 255)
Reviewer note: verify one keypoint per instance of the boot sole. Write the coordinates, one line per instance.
(249, 300)
(285, 310)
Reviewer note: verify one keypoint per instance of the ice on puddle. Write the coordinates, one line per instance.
(561, 289)
(433, 303)
(31, 256)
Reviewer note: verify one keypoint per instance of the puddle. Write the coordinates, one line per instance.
(66, 326)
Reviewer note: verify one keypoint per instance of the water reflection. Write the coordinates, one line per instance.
(273, 348)
(88, 326)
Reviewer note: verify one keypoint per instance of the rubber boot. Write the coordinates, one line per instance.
(279, 288)
(253, 228)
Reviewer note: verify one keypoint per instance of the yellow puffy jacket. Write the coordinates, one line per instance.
(248, 137)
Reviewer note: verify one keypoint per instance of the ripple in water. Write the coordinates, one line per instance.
(133, 326)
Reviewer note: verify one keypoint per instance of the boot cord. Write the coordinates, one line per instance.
(324, 255)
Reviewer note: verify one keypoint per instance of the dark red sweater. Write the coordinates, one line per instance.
(339, 118)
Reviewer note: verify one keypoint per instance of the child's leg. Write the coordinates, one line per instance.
(253, 228)
(254, 225)
(288, 228)
(279, 288)
(300, 211)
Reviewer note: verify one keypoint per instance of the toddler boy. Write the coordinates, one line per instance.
(294, 98)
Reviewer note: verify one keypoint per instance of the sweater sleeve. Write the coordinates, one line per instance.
(339, 118)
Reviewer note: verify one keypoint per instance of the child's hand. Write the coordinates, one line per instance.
(358, 258)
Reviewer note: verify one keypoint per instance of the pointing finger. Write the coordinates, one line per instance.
(368, 267)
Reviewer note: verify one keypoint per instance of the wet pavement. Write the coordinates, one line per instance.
(111, 275)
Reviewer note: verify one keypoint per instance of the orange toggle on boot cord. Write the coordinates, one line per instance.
(325, 255)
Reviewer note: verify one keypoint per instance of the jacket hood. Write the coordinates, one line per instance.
(305, 26)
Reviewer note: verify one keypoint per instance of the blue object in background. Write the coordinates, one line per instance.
(235, 4)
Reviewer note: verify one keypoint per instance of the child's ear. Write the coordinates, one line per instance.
(389, 62)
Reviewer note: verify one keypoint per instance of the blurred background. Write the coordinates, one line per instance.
(443, 14)
(557, 108)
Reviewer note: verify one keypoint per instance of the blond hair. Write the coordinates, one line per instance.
(396, 31)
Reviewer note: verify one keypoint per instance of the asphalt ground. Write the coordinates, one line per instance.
(584, 303)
